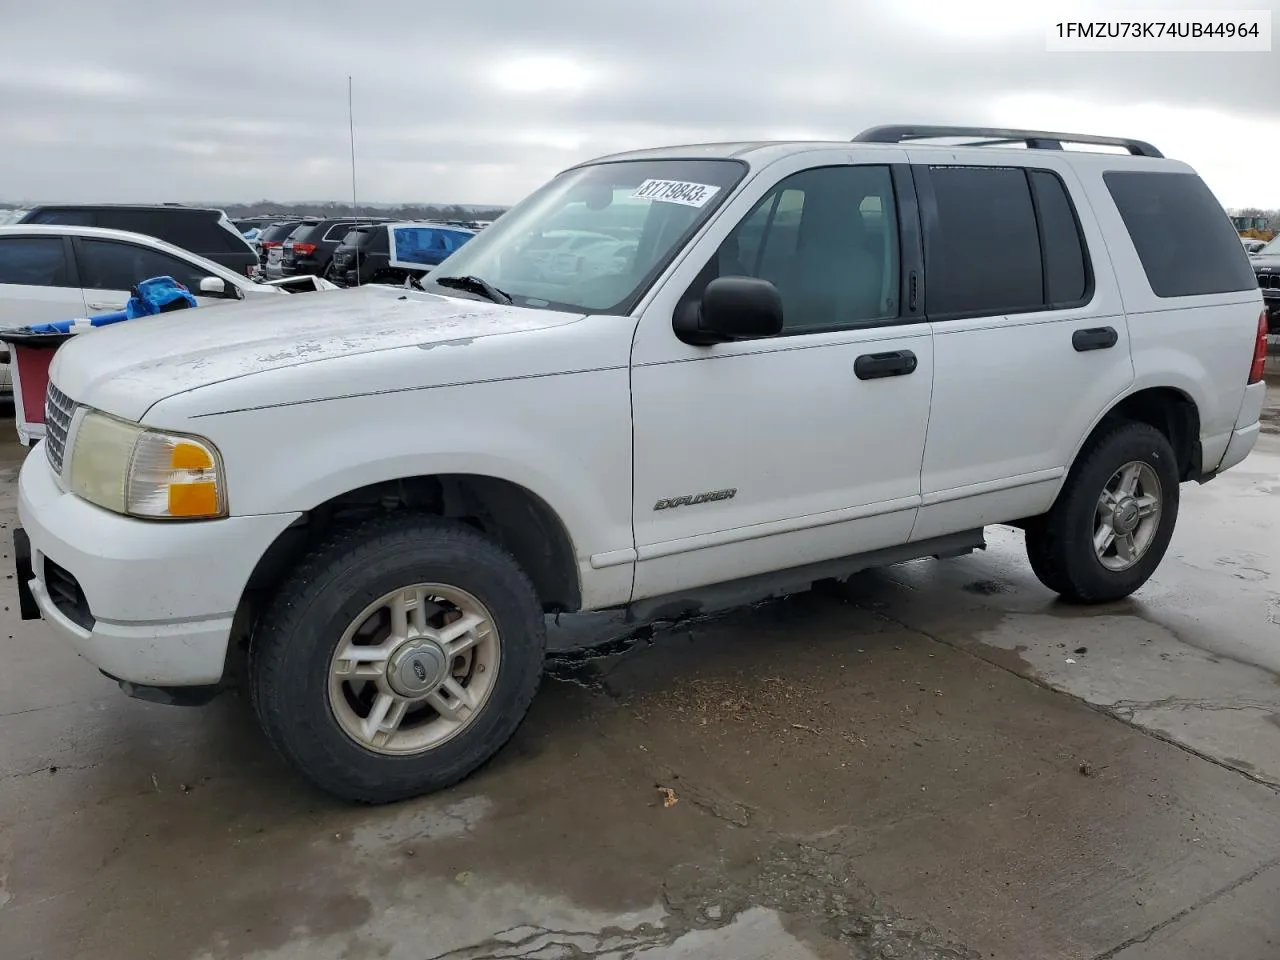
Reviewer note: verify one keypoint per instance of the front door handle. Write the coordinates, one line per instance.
(873, 366)
(1095, 338)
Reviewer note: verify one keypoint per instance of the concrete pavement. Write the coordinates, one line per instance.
(933, 761)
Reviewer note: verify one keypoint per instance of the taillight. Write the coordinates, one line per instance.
(304, 249)
(270, 243)
(1259, 351)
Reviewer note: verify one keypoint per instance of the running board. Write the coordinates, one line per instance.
(715, 598)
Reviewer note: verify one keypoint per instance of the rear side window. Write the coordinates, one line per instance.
(276, 232)
(34, 261)
(983, 253)
(338, 231)
(1184, 238)
(1005, 240)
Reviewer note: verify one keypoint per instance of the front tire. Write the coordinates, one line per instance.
(1112, 522)
(397, 658)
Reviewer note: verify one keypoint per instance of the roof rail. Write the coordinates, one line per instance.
(992, 136)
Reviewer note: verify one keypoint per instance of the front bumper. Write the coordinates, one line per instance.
(146, 602)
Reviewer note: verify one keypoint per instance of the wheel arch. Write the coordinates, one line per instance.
(1168, 409)
(514, 516)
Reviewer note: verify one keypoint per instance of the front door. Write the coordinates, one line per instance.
(110, 268)
(767, 454)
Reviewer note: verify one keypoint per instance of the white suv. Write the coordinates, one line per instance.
(811, 359)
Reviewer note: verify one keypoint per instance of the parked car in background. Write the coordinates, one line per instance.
(310, 247)
(271, 242)
(1266, 267)
(51, 273)
(260, 223)
(204, 231)
(394, 252)
(1251, 245)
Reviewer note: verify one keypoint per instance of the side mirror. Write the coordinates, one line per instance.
(731, 308)
(215, 287)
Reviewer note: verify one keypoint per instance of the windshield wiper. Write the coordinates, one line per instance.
(474, 285)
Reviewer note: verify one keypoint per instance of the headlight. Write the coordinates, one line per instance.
(146, 473)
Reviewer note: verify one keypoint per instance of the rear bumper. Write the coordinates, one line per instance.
(1245, 435)
(146, 602)
(302, 265)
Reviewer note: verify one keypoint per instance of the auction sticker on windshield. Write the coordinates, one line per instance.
(676, 191)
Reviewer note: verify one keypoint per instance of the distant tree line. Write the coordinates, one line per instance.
(408, 211)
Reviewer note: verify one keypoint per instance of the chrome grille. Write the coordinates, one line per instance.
(1269, 281)
(58, 408)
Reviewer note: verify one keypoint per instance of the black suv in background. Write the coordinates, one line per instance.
(394, 252)
(274, 235)
(309, 249)
(202, 230)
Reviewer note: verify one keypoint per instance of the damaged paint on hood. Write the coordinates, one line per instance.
(125, 368)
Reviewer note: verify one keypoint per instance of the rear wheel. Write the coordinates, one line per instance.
(398, 659)
(1111, 524)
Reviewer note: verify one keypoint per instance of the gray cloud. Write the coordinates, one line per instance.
(143, 100)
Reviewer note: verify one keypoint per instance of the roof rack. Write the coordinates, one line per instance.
(996, 136)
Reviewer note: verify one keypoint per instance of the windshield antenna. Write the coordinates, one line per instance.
(355, 208)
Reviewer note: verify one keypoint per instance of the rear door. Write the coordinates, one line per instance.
(1031, 342)
(37, 281)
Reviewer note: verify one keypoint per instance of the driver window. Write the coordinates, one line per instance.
(827, 239)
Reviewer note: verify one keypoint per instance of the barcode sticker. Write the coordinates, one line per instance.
(676, 191)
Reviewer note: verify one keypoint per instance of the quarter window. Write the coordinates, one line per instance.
(827, 239)
(1183, 237)
(1066, 271)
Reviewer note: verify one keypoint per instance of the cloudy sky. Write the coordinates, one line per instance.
(482, 100)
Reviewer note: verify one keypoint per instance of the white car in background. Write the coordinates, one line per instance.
(50, 273)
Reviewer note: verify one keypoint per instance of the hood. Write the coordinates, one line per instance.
(126, 368)
(1269, 264)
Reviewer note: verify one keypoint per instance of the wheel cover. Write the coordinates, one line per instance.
(414, 669)
(1127, 516)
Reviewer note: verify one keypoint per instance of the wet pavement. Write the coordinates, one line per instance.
(937, 760)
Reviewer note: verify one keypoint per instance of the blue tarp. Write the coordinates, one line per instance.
(157, 295)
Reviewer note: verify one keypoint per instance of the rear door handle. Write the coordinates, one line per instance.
(1095, 338)
(873, 366)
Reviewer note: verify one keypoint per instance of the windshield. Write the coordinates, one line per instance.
(594, 238)
(1272, 249)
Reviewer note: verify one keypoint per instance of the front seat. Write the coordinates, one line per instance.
(834, 276)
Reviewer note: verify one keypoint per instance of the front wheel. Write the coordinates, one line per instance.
(1111, 524)
(397, 659)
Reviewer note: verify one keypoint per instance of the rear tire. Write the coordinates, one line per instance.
(1112, 522)
(318, 678)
